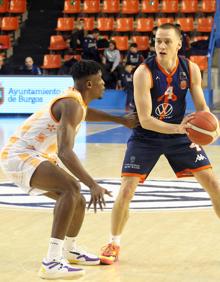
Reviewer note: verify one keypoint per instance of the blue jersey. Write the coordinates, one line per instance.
(168, 94)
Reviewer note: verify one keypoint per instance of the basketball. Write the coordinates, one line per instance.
(205, 128)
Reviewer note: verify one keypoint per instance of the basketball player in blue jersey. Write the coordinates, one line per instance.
(160, 87)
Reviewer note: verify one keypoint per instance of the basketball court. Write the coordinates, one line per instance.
(172, 234)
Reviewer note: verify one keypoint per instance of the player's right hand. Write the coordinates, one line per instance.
(185, 123)
(97, 196)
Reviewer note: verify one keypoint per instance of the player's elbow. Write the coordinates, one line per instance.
(63, 153)
(145, 122)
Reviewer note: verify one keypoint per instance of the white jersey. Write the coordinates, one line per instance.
(35, 141)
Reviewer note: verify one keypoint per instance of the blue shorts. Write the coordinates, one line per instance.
(184, 156)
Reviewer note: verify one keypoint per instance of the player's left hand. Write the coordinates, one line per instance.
(131, 120)
(97, 196)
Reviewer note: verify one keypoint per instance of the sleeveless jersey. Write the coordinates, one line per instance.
(168, 94)
(39, 131)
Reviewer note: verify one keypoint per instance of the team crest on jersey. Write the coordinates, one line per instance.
(152, 195)
(183, 84)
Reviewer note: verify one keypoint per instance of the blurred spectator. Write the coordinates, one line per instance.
(77, 36)
(152, 42)
(90, 50)
(29, 68)
(127, 86)
(133, 57)
(185, 49)
(4, 69)
(111, 61)
(199, 47)
(66, 67)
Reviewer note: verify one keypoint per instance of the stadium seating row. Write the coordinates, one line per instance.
(54, 61)
(128, 24)
(136, 6)
(13, 6)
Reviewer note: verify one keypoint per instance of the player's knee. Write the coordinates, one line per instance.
(82, 202)
(126, 194)
(127, 189)
(72, 188)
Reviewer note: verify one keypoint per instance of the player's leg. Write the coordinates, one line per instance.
(71, 251)
(55, 180)
(139, 160)
(120, 211)
(210, 183)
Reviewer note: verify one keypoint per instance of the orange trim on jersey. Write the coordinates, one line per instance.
(70, 93)
(190, 72)
(164, 71)
(151, 78)
(13, 140)
(188, 172)
(142, 177)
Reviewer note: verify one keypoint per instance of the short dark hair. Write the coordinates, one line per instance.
(134, 45)
(95, 30)
(171, 26)
(84, 68)
(112, 42)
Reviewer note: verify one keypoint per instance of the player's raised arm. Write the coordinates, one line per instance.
(196, 88)
(143, 102)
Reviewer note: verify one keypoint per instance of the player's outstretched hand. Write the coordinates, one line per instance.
(97, 196)
(131, 120)
(186, 123)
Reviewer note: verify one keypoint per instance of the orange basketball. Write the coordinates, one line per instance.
(205, 128)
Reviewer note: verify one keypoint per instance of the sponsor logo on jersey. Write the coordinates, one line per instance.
(164, 109)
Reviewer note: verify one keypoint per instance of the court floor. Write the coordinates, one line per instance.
(172, 234)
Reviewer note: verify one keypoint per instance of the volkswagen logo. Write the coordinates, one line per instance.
(164, 109)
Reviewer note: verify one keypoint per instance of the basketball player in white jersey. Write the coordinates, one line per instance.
(40, 159)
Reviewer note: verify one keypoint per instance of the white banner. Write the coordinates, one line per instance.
(26, 94)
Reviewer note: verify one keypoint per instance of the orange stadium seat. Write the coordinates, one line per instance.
(57, 43)
(71, 7)
(169, 6)
(186, 24)
(142, 42)
(65, 24)
(9, 23)
(111, 6)
(121, 42)
(161, 21)
(189, 6)
(105, 24)
(208, 6)
(4, 6)
(91, 6)
(124, 24)
(5, 42)
(52, 61)
(150, 6)
(201, 61)
(17, 6)
(205, 24)
(130, 7)
(89, 23)
(144, 24)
